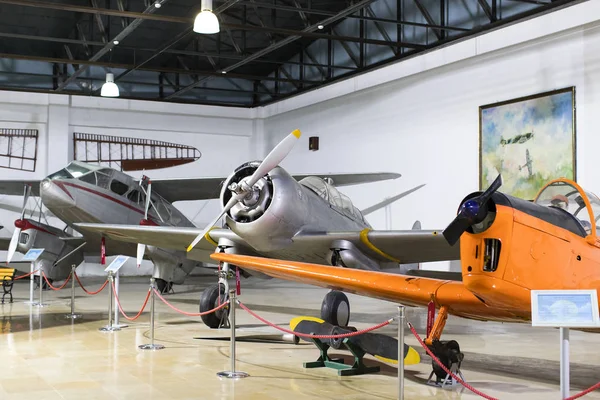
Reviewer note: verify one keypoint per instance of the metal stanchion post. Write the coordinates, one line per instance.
(401, 322)
(41, 302)
(233, 374)
(73, 315)
(31, 283)
(151, 346)
(564, 363)
(110, 327)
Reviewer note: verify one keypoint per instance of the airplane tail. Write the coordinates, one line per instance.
(389, 201)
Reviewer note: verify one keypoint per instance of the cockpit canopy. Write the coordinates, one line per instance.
(334, 197)
(570, 197)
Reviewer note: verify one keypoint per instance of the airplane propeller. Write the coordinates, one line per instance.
(141, 248)
(14, 241)
(472, 211)
(245, 187)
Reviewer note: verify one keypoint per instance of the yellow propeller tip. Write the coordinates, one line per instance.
(297, 133)
(189, 248)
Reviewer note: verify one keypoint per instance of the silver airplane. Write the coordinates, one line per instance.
(94, 194)
(269, 213)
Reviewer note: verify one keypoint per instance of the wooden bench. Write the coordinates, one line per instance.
(7, 277)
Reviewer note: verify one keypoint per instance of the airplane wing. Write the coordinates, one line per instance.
(4, 242)
(15, 187)
(179, 189)
(397, 288)
(403, 247)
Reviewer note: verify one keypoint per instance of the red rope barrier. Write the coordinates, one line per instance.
(56, 288)
(187, 313)
(26, 275)
(586, 391)
(121, 309)
(306, 335)
(465, 384)
(88, 292)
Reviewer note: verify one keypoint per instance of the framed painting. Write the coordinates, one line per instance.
(529, 140)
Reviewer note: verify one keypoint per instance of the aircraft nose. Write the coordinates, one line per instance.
(56, 194)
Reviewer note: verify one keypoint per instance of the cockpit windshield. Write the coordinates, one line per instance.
(563, 195)
(75, 170)
(333, 196)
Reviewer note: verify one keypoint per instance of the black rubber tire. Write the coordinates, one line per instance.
(163, 286)
(330, 308)
(208, 301)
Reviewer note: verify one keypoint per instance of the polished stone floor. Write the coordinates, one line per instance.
(44, 356)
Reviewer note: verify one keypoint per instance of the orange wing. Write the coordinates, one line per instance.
(398, 288)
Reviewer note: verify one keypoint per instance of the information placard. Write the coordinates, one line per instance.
(116, 264)
(565, 308)
(32, 254)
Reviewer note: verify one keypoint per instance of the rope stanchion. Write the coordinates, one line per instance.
(88, 292)
(187, 313)
(73, 314)
(151, 345)
(586, 391)
(437, 360)
(306, 335)
(54, 287)
(25, 275)
(128, 318)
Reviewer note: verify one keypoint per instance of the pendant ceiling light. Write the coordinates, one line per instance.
(206, 22)
(110, 88)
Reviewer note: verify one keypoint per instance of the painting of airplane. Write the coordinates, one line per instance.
(88, 193)
(508, 247)
(518, 139)
(528, 164)
(269, 213)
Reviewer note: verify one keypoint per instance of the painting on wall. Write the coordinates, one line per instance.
(529, 140)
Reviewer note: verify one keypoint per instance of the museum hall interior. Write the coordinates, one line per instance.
(299, 199)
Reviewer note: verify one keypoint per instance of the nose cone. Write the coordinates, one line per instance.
(55, 194)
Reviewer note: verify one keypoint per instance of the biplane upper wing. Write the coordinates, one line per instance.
(178, 189)
(398, 288)
(16, 187)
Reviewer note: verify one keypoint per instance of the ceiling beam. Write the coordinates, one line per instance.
(281, 43)
(110, 45)
(487, 10)
(428, 18)
(153, 69)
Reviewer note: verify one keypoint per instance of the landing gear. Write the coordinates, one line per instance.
(163, 286)
(335, 308)
(447, 351)
(211, 298)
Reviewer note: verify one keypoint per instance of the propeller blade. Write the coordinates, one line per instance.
(26, 193)
(141, 248)
(454, 231)
(232, 202)
(12, 247)
(490, 191)
(275, 157)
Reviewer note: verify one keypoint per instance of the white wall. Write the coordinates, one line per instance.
(224, 136)
(420, 117)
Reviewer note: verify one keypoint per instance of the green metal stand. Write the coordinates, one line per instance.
(358, 368)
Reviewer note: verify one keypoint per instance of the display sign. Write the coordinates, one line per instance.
(116, 264)
(565, 308)
(32, 254)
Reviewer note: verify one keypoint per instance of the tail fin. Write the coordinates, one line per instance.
(389, 201)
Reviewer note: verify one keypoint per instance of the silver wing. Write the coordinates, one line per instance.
(401, 246)
(178, 189)
(15, 188)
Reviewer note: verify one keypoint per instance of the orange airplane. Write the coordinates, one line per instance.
(508, 246)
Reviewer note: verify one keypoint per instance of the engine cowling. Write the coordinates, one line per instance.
(270, 214)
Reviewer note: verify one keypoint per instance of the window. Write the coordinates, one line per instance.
(134, 196)
(118, 187)
(89, 178)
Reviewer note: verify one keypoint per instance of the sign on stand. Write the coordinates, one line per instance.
(565, 309)
(114, 268)
(32, 255)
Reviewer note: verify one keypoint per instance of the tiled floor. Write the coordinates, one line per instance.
(45, 356)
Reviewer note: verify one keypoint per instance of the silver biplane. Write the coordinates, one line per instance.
(269, 213)
(85, 193)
